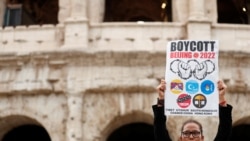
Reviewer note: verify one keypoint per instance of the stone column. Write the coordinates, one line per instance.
(2, 12)
(64, 10)
(211, 7)
(198, 26)
(96, 10)
(197, 10)
(76, 26)
(74, 120)
(79, 9)
(180, 10)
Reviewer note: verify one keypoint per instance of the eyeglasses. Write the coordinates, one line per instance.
(195, 134)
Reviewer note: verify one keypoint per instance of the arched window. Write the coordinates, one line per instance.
(30, 12)
(233, 11)
(134, 10)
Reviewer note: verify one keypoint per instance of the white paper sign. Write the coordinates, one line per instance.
(191, 77)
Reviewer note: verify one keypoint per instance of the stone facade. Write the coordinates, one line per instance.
(82, 79)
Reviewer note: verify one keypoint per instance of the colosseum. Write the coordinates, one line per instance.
(86, 70)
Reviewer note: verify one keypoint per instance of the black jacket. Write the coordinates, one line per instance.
(224, 128)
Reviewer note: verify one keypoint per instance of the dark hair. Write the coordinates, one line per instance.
(192, 121)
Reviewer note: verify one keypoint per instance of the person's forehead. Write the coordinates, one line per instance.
(191, 126)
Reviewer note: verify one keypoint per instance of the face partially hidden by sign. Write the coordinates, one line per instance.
(191, 131)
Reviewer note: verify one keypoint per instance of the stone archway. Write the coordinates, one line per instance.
(138, 121)
(27, 133)
(18, 128)
(133, 132)
(241, 132)
(241, 129)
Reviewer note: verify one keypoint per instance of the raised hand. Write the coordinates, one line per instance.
(222, 91)
(161, 89)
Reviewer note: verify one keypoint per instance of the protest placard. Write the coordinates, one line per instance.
(191, 78)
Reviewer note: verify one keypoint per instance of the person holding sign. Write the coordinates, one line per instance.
(192, 129)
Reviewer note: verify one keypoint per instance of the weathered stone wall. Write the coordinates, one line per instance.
(82, 79)
(88, 95)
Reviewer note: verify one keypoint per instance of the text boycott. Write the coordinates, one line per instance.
(192, 46)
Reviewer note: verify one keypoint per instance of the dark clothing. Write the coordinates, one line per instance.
(224, 129)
